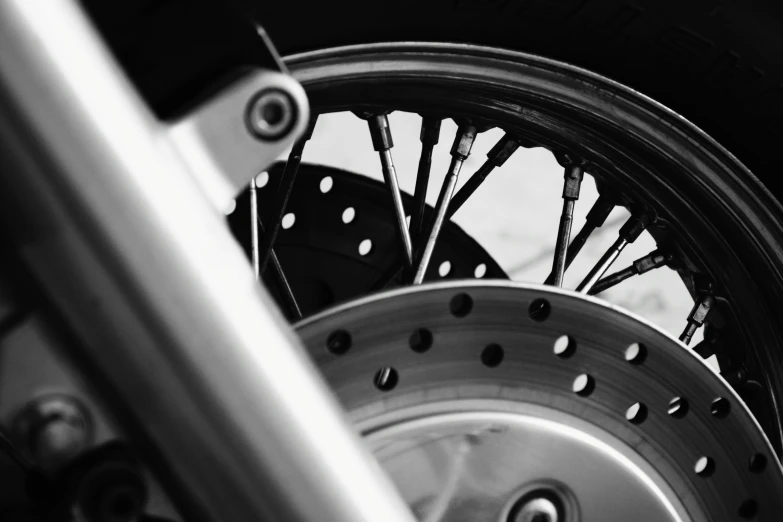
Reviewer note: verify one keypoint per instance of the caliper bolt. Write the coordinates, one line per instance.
(53, 430)
(271, 115)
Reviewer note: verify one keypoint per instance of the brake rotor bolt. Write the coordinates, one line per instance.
(271, 115)
(537, 509)
(53, 430)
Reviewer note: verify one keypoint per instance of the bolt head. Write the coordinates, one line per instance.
(271, 115)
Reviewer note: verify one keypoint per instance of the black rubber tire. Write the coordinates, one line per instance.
(719, 63)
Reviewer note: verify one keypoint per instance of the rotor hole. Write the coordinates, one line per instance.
(326, 184)
(480, 271)
(262, 180)
(749, 509)
(565, 346)
(720, 408)
(288, 220)
(583, 385)
(421, 340)
(758, 463)
(704, 467)
(365, 247)
(348, 215)
(539, 309)
(492, 355)
(444, 269)
(637, 413)
(338, 342)
(636, 353)
(678, 407)
(386, 378)
(461, 305)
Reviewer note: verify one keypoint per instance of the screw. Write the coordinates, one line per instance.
(53, 429)
(271, 115)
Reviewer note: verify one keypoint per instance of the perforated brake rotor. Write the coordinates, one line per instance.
(482, 397)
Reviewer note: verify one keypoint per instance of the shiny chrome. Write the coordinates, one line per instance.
(255, 257)
(214, 141)
(488, 430)
(460, 151)
(571, 185)
(603, 264)
(146, 267)
(271, 114)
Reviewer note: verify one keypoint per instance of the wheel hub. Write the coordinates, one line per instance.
(498, 401)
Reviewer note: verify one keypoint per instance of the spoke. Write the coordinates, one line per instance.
(602, 207)
(496, 157)
(629, 232)
(573, 181)
(281, 281)
(459, 153)
(696, 317)
(281, 196)
(380, 132)
(430, 132)
(279, 276)
(651, 261)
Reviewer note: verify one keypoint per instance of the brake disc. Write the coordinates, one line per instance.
(496, 401)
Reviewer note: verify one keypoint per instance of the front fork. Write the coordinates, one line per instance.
(118, 217)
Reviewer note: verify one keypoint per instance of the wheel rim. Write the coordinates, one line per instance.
(722, 224)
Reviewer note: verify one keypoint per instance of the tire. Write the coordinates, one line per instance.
(717, 63)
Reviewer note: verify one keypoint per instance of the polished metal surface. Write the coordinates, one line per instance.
(160, 296)
(500, 388)
(219, 140)
(710, 208)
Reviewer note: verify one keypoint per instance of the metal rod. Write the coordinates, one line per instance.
(496, 157)
(430, 133)
(571, 185)
(651, 261)
(629, 232)
(380, 132)
(254, 252)
(595, 218)
(281, 281)
(284, 189)
(459, 153)
(239, 407)
(697, 317)
(603, 264)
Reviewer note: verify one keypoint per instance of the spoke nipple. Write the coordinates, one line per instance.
(430, 130)
(271, 114)
(463, 142)
(380, 132)
(633, 228)
(573, 182)
(503, 150)
(568, 159)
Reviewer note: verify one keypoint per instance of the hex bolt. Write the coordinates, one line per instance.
(53, 430)
(270, 115)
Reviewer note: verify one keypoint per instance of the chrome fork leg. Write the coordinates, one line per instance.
(160, 295)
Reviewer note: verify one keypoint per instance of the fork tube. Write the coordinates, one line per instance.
(144, 271)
